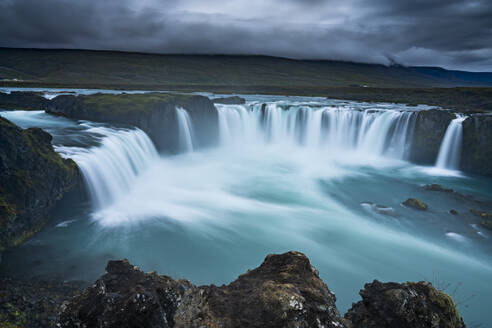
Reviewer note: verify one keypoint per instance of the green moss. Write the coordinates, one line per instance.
(415, 203)
(481, 214)
(445, 302)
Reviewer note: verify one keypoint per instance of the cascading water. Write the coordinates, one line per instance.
(185, 130)
(450, 150)
(110, 169)
(374, 132)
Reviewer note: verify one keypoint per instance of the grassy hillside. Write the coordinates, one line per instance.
(132, 70)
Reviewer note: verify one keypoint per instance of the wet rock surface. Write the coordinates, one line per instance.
(408, 305)
(416, 204)
(284, 291)
(32, 178)
(234, 100)
(476, 155)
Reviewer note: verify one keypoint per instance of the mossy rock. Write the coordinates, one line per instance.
(481, 214)
(487, 224)
(415, 203)
(453, 211)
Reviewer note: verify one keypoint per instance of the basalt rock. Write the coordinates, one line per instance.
(154, 113)
(408, 305)
(23, 100)
(415, 203)
(437, 187)
(32, 178)
(285, 291)
(430, 127)
(476, 155)
(234, 100)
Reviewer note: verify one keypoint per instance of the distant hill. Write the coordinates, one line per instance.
(113, 69)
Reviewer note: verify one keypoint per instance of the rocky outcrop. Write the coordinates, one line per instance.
(476, 155)
(154, 113)
(284, 291)
(234, 100)
(430, 127)
(23, 100)
(408, 305)
(415, 203)
(32, 178)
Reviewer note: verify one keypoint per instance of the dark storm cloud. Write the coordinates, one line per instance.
(451, 33)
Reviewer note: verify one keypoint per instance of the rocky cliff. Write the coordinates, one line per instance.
(284, 291)
(154, 113)
(430, 127)
(476, 155)
(23, 100)
(32, 178)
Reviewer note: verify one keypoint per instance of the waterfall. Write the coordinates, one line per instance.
(111, 168)
(185, 130)
(370, 131)
(450, 150)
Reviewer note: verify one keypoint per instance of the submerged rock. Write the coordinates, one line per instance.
(437, 187)
(408, 305)
(487, 224)
(481, 214)
(453, 211)
(415, 203)
(234, 100)
(32, 178)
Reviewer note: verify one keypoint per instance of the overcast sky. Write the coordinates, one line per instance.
(455, 34)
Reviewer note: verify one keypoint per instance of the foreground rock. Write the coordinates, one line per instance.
(415, 203)
(23, 100)
(34, 303)
(234, 100)
(154, 113)
(409, 305)
(285, 291)
(32, 178)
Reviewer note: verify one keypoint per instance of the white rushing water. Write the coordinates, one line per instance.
(185, 130)
(111, 168)
(369, 132)
(449, 156)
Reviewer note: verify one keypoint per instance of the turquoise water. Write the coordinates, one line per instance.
(209, 215)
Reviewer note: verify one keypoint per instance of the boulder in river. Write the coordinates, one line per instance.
(415, 203)
(408, 305)
(437, 187)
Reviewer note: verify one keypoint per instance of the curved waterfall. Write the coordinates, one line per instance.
(185, 130)
(450, 150)
(110, 169)
(370, 131)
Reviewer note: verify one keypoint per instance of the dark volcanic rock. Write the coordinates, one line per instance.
(437, 187)
(35, 302)
(32, 178)
(23, 100)
(285, 291)
(415, 203)
(429, 131)
(126, 297)
(154, 113)
(409, 305)
(234, 100)
(476, 155)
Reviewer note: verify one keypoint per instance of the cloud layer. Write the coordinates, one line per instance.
(449, 33)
